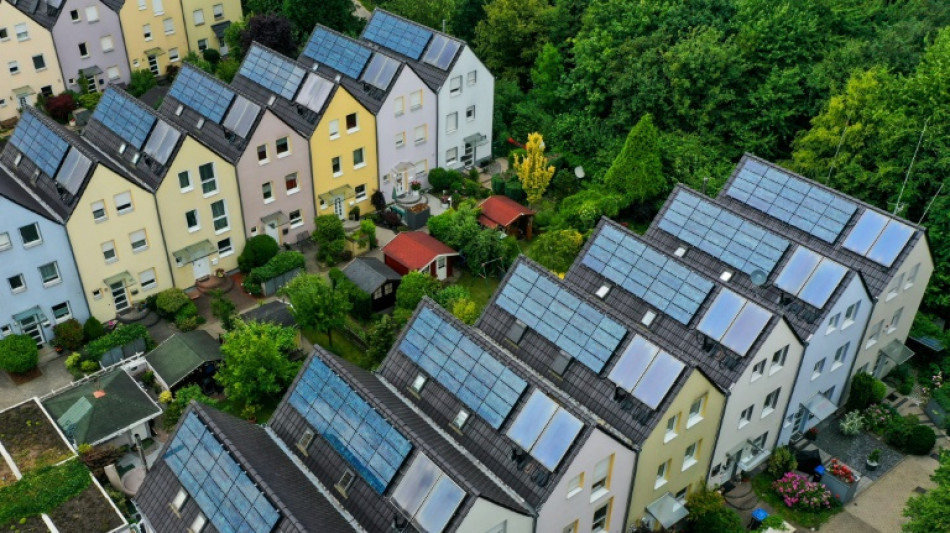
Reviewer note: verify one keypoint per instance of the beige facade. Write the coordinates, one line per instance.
(201, 16)
(154, 33)
(29, 65)
(117, 241)
(200, 211)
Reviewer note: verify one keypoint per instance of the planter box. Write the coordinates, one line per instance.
(843, 492)
(416, 220)
(355, 248)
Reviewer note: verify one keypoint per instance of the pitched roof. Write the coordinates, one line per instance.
(369, 273)
(499, 210)
(183, 353)
(12, 189)
(275, 312)
(88, 417)
(416, 249)
(46, 13)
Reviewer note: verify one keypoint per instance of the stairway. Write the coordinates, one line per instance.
(211, 283)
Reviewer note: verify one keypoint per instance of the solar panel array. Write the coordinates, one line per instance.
(162, 141)
(73, 170)
(646, 371)
(739, 243)
(242, 116)
(314, 92)
(397, 34)
(647, 273)
(810, 277)
(463, 367)
(39, 143)
(792, 200)
(372, 446)
(441, 51)
(878, 237)
(125, 118)
(574, 326)
(734, 321)
(337, 52)
(427, 495)
(208, 97)
(272, 71)
(380, 71)
(544, 429)
(223, 491)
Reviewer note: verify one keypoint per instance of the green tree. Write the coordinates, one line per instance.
(468, 14)
(315, 304)
(413, 287)
(456, 227)
(256, 369)
(581, 211)
(223, 309)
(928, 512)
(227, 69)
(708, 512)
(336, 14)
(431, 13)
(556, 250)
(637, 173)
(141, 81)
(510, 37)
(546, 76)
(258, 250)
(272, 30)
(183, 397)
(232, 37)
(447, 296)
(380, 339)
(466, 310)
(533, 169)
(18, 353)
(93, 329)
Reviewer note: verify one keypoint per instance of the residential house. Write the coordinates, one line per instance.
(110, 215)
(538, 441)
(464, 87)
(373, 277)
(220, 473)
(274, 170)
(30, 66)
(499, 211)
(41, 287)
(387, 465)
(825, 302)
(196, 192)
(190, 356)
(205, 26)
(742, 347)
(417, 250)
(155, 35)
(891, 254)
(404, 106)
(636, 381)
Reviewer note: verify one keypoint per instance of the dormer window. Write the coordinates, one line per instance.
(460, 419)
(602, 291)
(201, 122)
(346, 480)
(418, 383)
(135, 159)
(271, 100)
(17, 159)
(680, 252)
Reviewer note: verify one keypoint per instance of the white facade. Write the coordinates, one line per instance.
(489, 517)
(405, 134)
(468, 95)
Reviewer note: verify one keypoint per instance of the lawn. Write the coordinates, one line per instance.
(480, 288)
(763, 489)
(342, 345)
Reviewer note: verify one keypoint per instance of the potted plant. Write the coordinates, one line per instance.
(812, 433)
(873, 458)
(415, 186)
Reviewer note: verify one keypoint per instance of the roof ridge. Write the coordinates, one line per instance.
(54, 217)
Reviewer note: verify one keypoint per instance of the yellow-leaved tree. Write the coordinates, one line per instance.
(533, 169)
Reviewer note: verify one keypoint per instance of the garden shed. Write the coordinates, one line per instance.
(502, 212)
(189, 356)
(415, 250)
(373, 277)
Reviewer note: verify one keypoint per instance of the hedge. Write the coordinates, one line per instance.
(120, 336)
(279, 264)
(18, 353)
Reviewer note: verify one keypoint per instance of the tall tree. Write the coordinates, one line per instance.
(272, 30)
(546, 76)
(468, 14)
(431, 13)
(556, 250)
(533, 169)
(512, 34)
(315, 304)
(413, 287)
(256, 368)
(336, 14)
(637, 173)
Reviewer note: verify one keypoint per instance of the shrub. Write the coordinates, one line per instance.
(258, 250)
(165, 397)
(514, 191)
(899, 429)
(708, 512)
(441, 179)
(73, 362)
(517, 152)
(68, 335)
(781, 461)
(861, 390)
(920, 440)
(18, 354)
(498, 184)
(211, 56)
(93, 329)
(878, 391)
(89, 367)
(170, 301)
(852, 424)
(142, 80)
(799, 493)
(331, 253)
(187, 318)
(543, 219)
(60, 106)
(148, 378)
(466, 310)
(88, 101)
(378, 199)
(329, 228)
(121, 336)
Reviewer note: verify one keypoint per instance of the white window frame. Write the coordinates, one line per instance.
(64, 318)
(912, 276)
(455, 86)
(92, 14)
(173, 55)
(189, 185)
(461, 418)
(690, 456)
(267, 192)
(334, 127)
(216, 218)
(575, 486)
(198, 524)
(771, 401)
(133, 240)
(42, 59)
(818, 368)
(420, 139)
(179, 500)
(123, 199)
(217, 11)
(600, 482)
(39, 236)
(213, 180)
(296, 179)
(360, 195)
(895, 288)
(202, 45)
(746, 416)
(874, 333)
(147, 32)
(169, 26)
(109, 246)
(452, 122)
(81, 47)
(840, 355)
(400, 139)
(471, 77)
(399, 105)
(671, 432)
(198, 16)
(778, 360)
(851, 313)
(336, 166)
(895, 321)
(470, 113)
(107, 43)
(833, 323)
(296, 218)
(286, 152)
(54, 280)
(225, 247)
(662, 474)
(13, 67)
(451, 156)
(144, 277)
(197, 221)
(695, 416)
(99, 205)
(758, 370)
(418, 383)
(22, 32)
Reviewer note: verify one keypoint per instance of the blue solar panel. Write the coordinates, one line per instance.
(791, 199)
(202, 93)
(124, 117)
(463, 367)
(372, 446)
(734, 321)
(878, 237)
(723, 235)
(272, 71)
(810, 277)
(397, 34)
(544, 429)
(226, 495)
(39, 144)
(647, 273)
(547, 307)
(337, 52)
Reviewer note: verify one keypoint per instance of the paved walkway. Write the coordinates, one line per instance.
(54, 376)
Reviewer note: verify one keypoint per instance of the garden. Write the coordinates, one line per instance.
(793, 495)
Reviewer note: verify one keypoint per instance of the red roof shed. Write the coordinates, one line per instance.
(416, 250)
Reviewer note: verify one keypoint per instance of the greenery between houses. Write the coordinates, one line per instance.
(800, 513)
(174, 304)
(68, 335)
(258, 250)
(361, 302)
(781, 461)
(278, 265)
(88, 359)
(315, 304)
(42, 490)
(256, 368)
(331, 238)
(927, 513)
(708, 512)
(18, 353)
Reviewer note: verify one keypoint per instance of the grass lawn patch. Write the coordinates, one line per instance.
(43, 490)
(480, 288)
(30, 438)
(762, 484)
(88, 511)
(342, 346)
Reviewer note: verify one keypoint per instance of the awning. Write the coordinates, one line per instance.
(26, 90)
(401, 167)
(930, 342)
(277, 218)
(157, 51)
(90, 71)
(897, 352)
(34, 312)
(124, 277)
(190, 254)
(667, 510)
(219, 29)
(820, 406)
(476, 140)
(343, 192)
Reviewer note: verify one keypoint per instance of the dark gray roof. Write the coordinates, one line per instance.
(153, 97)
(302, 506)
(275, 312)
(722, 367)
(16, 192)
(591, 389)
(43, 14)
(369, 273)
(876, 277)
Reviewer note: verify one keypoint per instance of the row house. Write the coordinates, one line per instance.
(155, 34)
(205, 25)
(30, 67)
(637, 382)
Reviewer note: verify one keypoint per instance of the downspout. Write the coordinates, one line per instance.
(633, 483)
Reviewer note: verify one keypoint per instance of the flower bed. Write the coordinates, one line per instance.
(798, 492)
(30, 437)
(841, 471)
(800, 515)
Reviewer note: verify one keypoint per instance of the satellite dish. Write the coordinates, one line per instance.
(579, 172)
(758, 277)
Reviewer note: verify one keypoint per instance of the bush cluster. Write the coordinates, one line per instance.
(852, 423)
(279, 264)
(18, 353)
(68, 335)
(331, 238)
(258, 250)
(781, 461)
(909, 436)
(174, 304)
(799, 493)
(361, 301)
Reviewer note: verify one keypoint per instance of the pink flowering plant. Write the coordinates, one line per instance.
(799, 493)
(877, 417)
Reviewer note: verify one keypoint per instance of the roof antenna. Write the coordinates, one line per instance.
(443, 25)
(897, 205)
(932, 200)
(705, 181)
(847, 123)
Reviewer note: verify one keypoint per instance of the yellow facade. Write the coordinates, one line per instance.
(91, 241)
(28, 82)
(334, 152)
(690, 435)
(201, 15)
(183, 192)
(156, 27)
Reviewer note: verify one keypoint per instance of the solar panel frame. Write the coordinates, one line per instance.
(314, 93)
(396, 34)
(633, 363)
(380, 71)
(878, 237)
(39, 143)
(734, 321)
(810, 277)
(337, 52)
(74, 168)
(658, 379)
(206, 96)
(441, 51)
(125, 118)
(241, 117)
(544, 429)
(890, 243)
(272, 71)
(865, 232)
(162, 141)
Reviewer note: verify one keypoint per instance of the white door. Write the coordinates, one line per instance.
(31, 326)
(400, 183)
(119, 296)
(338, 207)
(201, 267)
(153, 65)
(469, 157)
(441, 267)
(271, 229)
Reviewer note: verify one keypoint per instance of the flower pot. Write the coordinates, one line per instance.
(872, 466)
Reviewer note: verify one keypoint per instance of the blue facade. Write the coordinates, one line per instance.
(27, 303)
